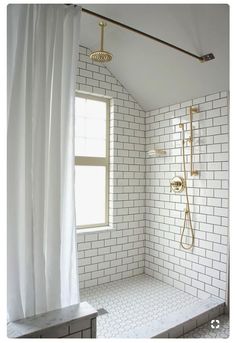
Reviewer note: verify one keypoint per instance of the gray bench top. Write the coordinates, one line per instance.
(50, 319)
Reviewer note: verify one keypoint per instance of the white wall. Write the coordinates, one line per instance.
(202, 271)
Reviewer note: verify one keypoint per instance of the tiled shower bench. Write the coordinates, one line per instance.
(76, 321)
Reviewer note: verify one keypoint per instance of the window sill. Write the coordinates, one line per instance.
(94, 229)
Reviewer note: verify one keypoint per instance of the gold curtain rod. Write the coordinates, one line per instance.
(204, 58)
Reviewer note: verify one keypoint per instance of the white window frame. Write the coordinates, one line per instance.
(98, 161)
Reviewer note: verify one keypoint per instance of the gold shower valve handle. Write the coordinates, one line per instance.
(177, 184)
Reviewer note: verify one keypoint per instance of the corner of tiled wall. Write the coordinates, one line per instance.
(146, 239)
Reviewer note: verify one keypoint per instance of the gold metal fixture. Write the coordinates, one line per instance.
(190, 139)
(177, 184)
(187, 213)
(203, 58)
(101, 55)
(156, 152)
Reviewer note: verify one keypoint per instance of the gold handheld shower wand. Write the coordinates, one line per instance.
(187, 213)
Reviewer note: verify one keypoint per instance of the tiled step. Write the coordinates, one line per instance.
(178, 323)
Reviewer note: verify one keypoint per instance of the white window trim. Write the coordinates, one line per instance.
(94, 229)
(97, 161)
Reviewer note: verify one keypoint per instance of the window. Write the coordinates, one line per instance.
(91, 160)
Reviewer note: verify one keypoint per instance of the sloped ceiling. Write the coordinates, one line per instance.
(154, 74)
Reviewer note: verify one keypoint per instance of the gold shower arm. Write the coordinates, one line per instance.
(102, 25)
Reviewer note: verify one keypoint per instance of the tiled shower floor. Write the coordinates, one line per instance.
(134, 302)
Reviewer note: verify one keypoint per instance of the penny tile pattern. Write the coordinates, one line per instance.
(134, 302)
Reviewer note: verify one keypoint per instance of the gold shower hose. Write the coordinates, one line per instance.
(187, 210)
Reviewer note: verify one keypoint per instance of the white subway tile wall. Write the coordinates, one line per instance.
(201, 271)
(145, 216)
(119, 253)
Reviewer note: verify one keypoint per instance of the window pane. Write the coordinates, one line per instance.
(90, 195)
(90, 127)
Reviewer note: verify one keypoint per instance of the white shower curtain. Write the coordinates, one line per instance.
(42, 51)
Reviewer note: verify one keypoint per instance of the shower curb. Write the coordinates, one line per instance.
(180, 322)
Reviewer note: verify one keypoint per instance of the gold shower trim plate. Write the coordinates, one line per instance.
(177, 184)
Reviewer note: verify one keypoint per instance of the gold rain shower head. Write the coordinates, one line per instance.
(101, 55)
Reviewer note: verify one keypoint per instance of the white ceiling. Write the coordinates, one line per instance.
(154, 74)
